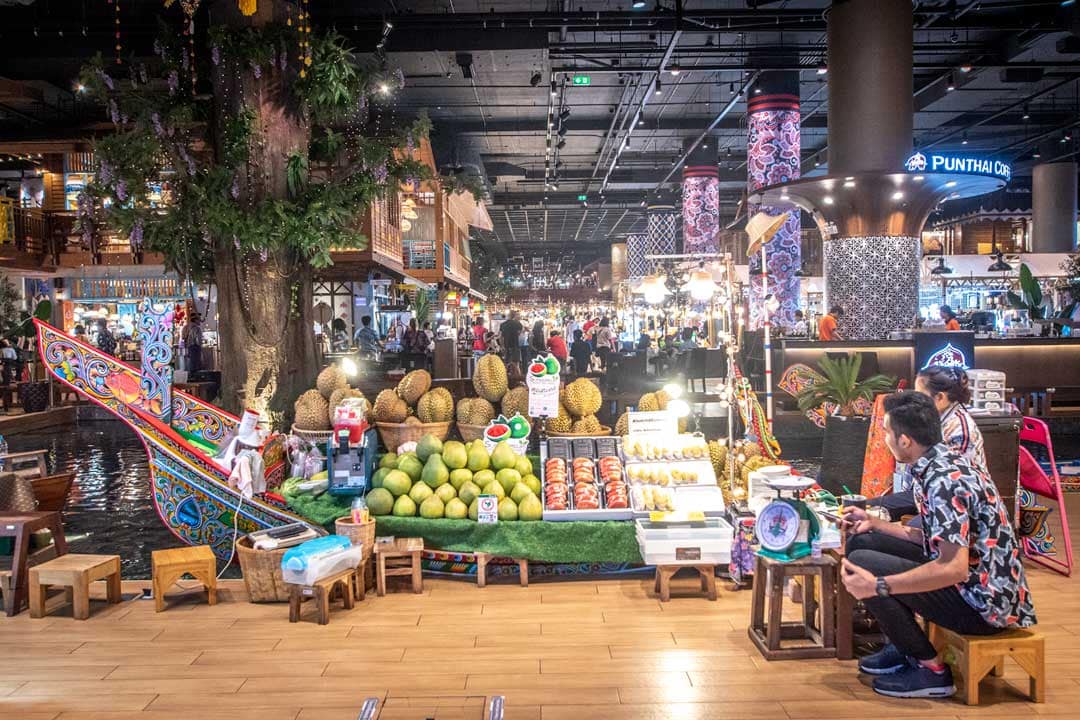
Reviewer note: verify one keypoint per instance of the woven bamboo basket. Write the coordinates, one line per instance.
(471, 432)
(393, 435)
(604, 431)
(362, 534)
(262, 572)
(315, 437)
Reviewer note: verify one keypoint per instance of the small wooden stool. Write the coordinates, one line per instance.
(401, 557)
(482, 560)
(978, 655)
(664, 573)
(769, 577)
(75, 572)
(321, 590)
(168, 566)
(360, 579)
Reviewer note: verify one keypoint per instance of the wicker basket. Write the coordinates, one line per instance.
(315, 437)
(262, 572)
(362, 534)
(604, 431)
(471, 432)
(393, 435)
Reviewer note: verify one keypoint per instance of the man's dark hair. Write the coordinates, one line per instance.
(913, 414)
(366, 320)
(836, 310)
(798, 313)
(578, 334)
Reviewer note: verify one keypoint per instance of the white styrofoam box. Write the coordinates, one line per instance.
(663, 544)
(988, 379)
(324, 565)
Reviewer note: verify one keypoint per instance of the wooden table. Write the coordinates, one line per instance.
(20, 526)
(11, 462)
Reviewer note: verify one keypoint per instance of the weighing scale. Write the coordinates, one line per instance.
(786, 527)
(349, 467)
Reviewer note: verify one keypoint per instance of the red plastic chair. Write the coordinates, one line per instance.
(1035, 480)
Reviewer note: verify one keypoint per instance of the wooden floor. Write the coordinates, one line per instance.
(568, 650)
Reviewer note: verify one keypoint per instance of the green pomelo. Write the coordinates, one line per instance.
(435, 472)
(483, 477)
(474, 509)
(530, 508)
(494, 488)
(420, 492)
(456, 509)
(377, 478)
(468, 492)
(503, 456)
(524, 466)
(508, 478)
(454, 455)
(459, 477)
(404, 507)
(432, 508)
(479, 459)
(533, 482)
(508, 510)
(380, 501)
(520, 492)
(428, 446)
(397, 482)
(389, 460)
(411, 466)
(445, 492)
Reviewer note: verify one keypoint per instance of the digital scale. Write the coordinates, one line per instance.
(349, 467)
(787, 526)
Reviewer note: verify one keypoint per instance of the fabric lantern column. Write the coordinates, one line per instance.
(701, 200)
(772, 156)
(637, 248)
(661, 229)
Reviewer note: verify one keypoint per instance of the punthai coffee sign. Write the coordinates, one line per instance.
(934, 163)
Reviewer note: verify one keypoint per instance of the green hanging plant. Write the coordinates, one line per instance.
(1030, 297)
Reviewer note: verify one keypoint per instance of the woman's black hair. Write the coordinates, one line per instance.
(947, 311)
(953, 381)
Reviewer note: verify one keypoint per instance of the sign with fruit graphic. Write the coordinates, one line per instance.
(543, 384)
(515, 431)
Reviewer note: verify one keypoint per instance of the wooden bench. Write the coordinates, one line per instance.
(168, 566)
(979, 655)
(399, 558)
(664, 573)
(321, 591)
(483, 558)
(75, 572)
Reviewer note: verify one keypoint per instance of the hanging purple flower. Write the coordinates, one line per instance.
(190, 166)
(114, 112)
(121, 190)
(410, 143)
(381, 173)
(155, 120)
(361, 102)
(235, 189)
(283, 60)
(206, 236)
(263, 254)
(174, 82)
(236, 242)
(256, 69)
(215, 55)
(107, 80)
(399, 78)
(104, 173)
(136, 236)
(124, 119)
(184, 59)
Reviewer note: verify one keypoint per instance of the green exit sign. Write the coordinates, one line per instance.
(582, 198)
(582, 80)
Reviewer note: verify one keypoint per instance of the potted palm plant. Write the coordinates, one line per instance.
(847, 402)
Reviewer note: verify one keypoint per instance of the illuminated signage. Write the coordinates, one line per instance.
(947, 356)
(582, 80)
(953, 164)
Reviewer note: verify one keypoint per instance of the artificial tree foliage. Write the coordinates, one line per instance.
(264, 167)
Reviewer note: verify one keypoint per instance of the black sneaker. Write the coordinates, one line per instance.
(885, 661)
(916, 681)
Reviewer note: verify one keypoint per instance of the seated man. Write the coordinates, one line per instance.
(962, 570)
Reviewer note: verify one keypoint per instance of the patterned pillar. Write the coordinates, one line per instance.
(156, 335)
(701, 200)
(662, 228)
(875, 280)
(637, 247)
(618, 269)
(772, 156)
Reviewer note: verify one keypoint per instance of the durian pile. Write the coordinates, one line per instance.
(314, 409)
(413, 401)
(494, 394)
(649, 402)
(578, 403)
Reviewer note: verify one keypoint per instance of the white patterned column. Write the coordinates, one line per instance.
(637, 247)
(662, 229)
(876, 281)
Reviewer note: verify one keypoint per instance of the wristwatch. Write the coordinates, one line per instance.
(883, 589)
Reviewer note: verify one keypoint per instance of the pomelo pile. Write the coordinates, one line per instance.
(444, 480)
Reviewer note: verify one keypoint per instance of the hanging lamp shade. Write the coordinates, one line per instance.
(941, 268)
(700, 284)
(999, 264)
(762, 228)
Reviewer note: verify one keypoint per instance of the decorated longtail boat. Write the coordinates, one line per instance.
(180, 433)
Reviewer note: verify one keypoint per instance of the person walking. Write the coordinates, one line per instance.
(193, 343)
(510, 330)
(106, 343)
(479, 346)
(537, 341)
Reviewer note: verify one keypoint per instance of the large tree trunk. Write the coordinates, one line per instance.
(264, 300)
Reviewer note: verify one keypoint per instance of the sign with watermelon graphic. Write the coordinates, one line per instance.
(514, 430)
(543, 383)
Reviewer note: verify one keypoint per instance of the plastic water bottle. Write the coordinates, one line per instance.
(359, 510)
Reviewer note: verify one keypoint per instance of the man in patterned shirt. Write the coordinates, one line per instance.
(962, 570)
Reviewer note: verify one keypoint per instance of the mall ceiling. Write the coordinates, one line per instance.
(991, 77)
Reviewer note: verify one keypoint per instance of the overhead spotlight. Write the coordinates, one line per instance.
(963, 139)
(1027, 114)
(641, 120)
(384, 88)
(642, 203)
(757, 91)
(828, 200)
(898, 195)
(659, 87)
(388, 26)
(1036, 154)
(80, 88)
(638, 4)
(954, 37)
(822, 68)
(561, 144)
(554, 88)
(564, 113)
(675, 69)
(535, 79)
(951, 86)
(965, 68)
(817, 163)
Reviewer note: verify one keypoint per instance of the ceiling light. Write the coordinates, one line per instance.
(817, 163)
(950, 87)
(999, 264)
(80, 88)
(849, 183)
(535, 79)
(641, 120)
(963, 139)
(965, 68)
(951, 183)
(898, 195)
(1036, 154)
(675, 69)
(828, 200)
(822, 68)
(757, 91)
(941, 268)
(554, 88)
(638, 4)
(659, 87)
(1027, 114)
(384, 88)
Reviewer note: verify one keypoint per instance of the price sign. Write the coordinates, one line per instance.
(543, 395)
(659, 422)
(487, 511)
